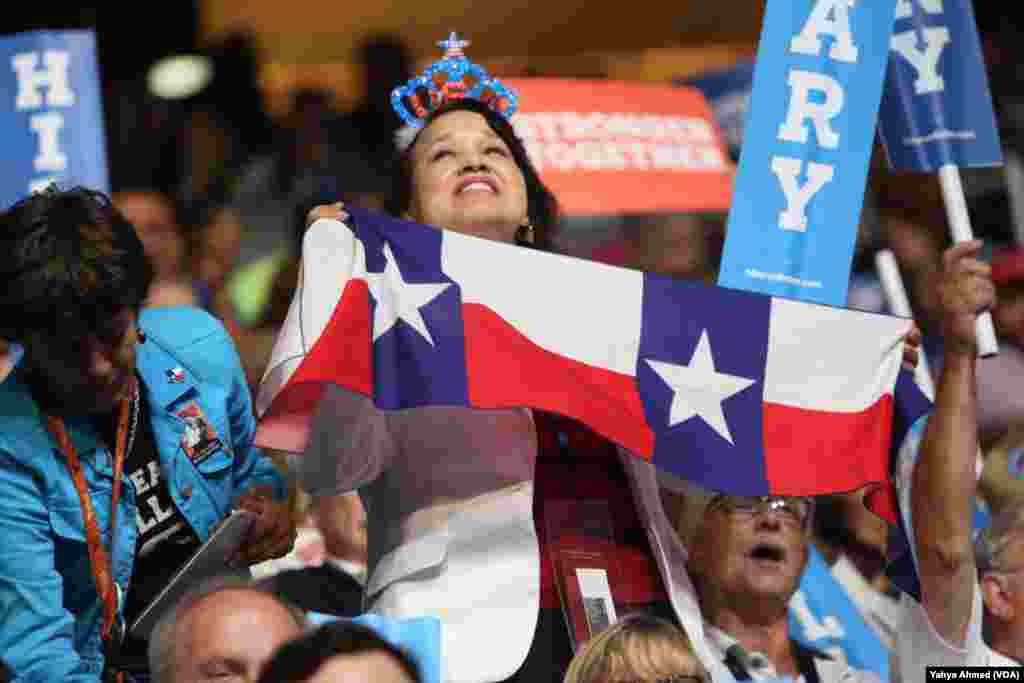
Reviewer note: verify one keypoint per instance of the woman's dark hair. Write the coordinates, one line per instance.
(542, 206)
(71, 261)
(298, 660)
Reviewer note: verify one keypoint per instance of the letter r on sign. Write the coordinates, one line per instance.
(801, 84)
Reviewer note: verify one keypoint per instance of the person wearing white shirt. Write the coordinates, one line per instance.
(732, 565)
(881, 611)
(937, 493)
(858, 540)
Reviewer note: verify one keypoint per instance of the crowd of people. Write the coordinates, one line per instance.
(143, 323)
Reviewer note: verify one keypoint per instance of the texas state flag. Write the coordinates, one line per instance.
(739, 392)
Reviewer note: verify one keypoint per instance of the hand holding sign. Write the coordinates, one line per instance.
(960, 226)
(965, 290)
(936, 112)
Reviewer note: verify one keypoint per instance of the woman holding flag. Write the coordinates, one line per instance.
(474, 515)
(452, 492)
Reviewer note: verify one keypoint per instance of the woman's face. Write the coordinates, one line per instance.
(465, 179)
(87, 375)
(153, 218)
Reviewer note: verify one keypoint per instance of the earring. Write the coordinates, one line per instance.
(524, 235)
(140, 334)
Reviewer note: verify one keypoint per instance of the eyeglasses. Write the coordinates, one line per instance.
(797, 509)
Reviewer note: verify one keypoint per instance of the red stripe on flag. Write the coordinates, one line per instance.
(809, 452)
(505, 369)
(343, 355)
(285, 426)
(883, 502)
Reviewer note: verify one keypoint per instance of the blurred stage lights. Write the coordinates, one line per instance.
(180, 76)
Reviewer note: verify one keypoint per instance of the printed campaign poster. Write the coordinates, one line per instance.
(51, 117)
(936, 107)
(810, 131)
(822, 615)
(606, 147)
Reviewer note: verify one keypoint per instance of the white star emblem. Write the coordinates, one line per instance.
(396, 298)
(698, 389)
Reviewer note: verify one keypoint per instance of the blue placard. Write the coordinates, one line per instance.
(936, 106)
(803, 167)
(824, 617)
(51, 116)
(728, 93)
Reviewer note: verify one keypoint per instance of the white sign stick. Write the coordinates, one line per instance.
(960, 228)
(899, 304)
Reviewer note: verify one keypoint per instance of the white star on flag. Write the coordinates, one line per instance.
(698, 389)
(396, 298)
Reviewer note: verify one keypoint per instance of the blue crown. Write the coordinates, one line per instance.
(453, 77)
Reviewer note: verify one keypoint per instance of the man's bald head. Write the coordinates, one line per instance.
(224, 628)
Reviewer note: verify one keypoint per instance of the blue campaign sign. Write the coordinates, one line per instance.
(51, 116)
(822, 616)
(728, 93)
(936, 107)
(803, 166)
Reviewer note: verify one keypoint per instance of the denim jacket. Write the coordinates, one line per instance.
(50, 612)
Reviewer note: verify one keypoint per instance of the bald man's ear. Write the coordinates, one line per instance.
(995, 593)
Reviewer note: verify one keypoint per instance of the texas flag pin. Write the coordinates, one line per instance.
(175, 375)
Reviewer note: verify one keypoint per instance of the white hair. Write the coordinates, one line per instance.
(991, 543)
(163, 639)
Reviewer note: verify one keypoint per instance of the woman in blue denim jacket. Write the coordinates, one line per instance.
(158, 395)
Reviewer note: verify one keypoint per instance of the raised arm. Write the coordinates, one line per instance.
(944, 484)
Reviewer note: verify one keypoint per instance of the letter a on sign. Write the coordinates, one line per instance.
(829, 17)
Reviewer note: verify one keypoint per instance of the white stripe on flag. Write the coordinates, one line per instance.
(585, 311)
(331, 256)
(823, 358)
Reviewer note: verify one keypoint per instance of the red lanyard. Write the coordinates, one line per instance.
(99, 557)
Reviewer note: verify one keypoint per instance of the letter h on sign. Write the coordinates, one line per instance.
(54, 77)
